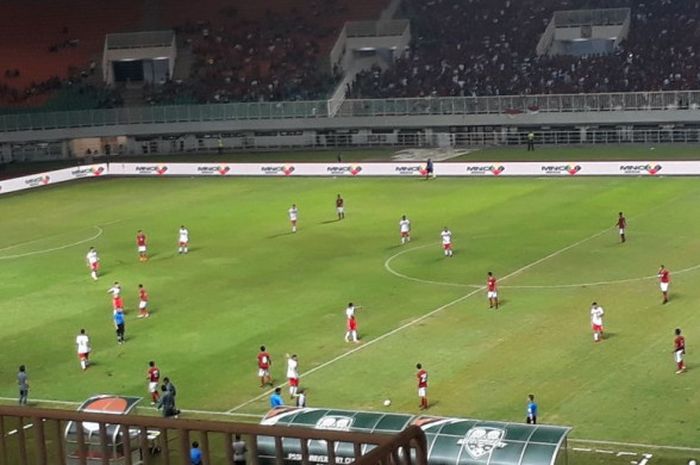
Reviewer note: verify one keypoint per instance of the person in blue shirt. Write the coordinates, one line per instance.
(276, 398)
(531, 410)
(119, 325)
(195, 454)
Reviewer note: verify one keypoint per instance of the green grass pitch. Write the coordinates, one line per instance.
(248, 281)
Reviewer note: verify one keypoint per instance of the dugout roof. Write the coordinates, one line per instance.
(451, 441)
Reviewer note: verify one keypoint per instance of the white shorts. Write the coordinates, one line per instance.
(622, 231)
(422, 392)
(153, 386)
(340, 209)
(142, 249)
(143, 304)
(664, 287)
(492, 294)
(263, 372)
(678, 356)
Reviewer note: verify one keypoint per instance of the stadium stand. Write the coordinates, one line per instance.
(486, 47)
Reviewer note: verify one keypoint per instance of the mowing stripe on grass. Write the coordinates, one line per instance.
(633, 444)
(422, 317)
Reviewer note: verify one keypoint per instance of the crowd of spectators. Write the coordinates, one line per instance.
(487, 47)
(276, 57)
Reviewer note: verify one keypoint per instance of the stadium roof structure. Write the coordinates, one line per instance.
(451, 441)
(148, 39)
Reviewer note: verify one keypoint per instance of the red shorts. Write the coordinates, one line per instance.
(95, 266)
(598, 328)
(84, 356)
(183, 244)
(294, 382)
(405, 233)
(447, 246)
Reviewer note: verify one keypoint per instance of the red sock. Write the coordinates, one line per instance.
(680, 365)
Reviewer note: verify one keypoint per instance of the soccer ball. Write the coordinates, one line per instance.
(387, 403)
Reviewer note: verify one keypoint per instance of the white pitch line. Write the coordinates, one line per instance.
(54, 249)
(600, 451)
(581, 449)
(387, 266)
(634, 444)
(628, 454)
(14, 431)
(421, 318)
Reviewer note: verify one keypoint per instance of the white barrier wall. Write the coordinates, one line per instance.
(52, 177)
(539, 169)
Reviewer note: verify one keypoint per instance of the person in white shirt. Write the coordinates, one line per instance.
(184, 240)
(405, 229)
(93, 262)
(115, 290)
(350, 310)
(293, 214)
(597, 321)
(292, 375)
(446, 235)
(301, 398)
(82, 341)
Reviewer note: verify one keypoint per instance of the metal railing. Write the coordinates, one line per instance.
(499, 105)
(38, 437)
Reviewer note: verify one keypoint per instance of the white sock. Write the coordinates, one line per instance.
(83, 365)
(94, 275)
(185, 249)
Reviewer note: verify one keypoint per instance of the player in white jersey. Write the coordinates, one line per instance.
(597, 313)
(293, 214)
(184, 240)
(93, 262)
(293, 374)
(446, 235)
(82, 341)
(115, 290)
(405, 229)
(350, 310)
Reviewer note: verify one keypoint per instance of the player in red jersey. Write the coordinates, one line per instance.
(422, 377)
(351, 334)
(621, 225)
(117, 304)
(141, 245)
(143, 302)
(340, 207)
(153, 379)
(664, 280)
(264, 363)
(492, 290)
(679, 352)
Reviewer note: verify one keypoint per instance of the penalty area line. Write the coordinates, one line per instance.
(420, 318)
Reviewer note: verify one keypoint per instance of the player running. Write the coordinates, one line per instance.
(141, 246)
(293, 215)
(351, 334)
(405, 229)
(115, 290)
(264, 364)
(340, 207)
(82, 341)
(143, 302)
(664, 280)
(117, 301)
(621, 225)
(183, 240)
(153, 377)
(422, 377)
(446, 235)
(597, 313)
(492, 290)
(679, 351)
(293, 374)
(93, 262)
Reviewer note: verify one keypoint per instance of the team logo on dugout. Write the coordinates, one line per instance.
(481, 441)
(335, 423)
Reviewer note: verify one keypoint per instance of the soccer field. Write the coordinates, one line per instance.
(248, 281)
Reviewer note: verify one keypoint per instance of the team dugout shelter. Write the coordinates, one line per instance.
(451, 441)
(146, 57)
